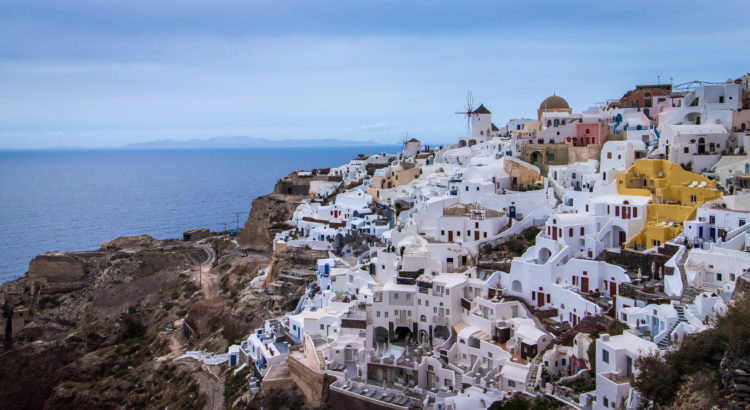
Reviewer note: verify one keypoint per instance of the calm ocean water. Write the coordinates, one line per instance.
(75, 200)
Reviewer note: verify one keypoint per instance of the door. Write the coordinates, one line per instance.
(554, 233)
(585, 285)
(540, 299)
(476, 235)
(612, 289)
(622, 237)
(700, 231)
(450, 236)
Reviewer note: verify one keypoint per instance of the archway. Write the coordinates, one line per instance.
(472, 143)
(402, 335)
(516, 286)
(619, 236)
(441, 332)
(701, 145)
(536, 157)
(379, 336)
(424, 338)
(350, 353)
(461, 143)
(543, 255)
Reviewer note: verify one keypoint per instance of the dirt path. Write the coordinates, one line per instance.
(203, 274)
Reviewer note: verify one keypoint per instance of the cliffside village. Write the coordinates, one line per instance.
(640, 204)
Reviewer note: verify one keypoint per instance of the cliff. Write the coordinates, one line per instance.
(267, 218)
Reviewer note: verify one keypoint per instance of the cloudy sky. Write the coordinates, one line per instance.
(107, 73)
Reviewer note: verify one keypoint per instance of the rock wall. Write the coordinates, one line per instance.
(735, 377)
(292, 186)
(741, 287)
(267, 217)
(314, 384)
(56, 273)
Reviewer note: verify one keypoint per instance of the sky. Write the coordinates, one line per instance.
(95, 73)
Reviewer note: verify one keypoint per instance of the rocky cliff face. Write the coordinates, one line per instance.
(267, 218)
(104, 329)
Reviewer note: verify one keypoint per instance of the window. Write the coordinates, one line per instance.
(742, 222)
(511, 383)
(635, 212)
(408, 296)
(447, 291)
(606, 402)
(467, 189)
(693, 198)
(489, 354)
(476, 225)
(550, 157)
(419, 302)
(686, 150)
(583, 230)
(563, 362)
(609, 155)
(442, 233)
(712, 220)
(395, 296)
(732, 277)
(718, 277)
(321, 327)
(386, 314)
(378, 315)
(570, 232)
(605, 356)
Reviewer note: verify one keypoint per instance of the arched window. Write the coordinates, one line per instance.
(423, 318)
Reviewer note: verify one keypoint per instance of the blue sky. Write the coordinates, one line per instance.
(108, 73)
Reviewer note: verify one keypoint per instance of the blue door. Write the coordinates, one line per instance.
(654, 326)
(700, 232)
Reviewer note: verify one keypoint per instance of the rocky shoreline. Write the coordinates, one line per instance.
(106, 328)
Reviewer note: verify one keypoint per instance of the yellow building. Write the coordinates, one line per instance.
(676, 194)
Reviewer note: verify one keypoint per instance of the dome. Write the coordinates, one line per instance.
(554, 102)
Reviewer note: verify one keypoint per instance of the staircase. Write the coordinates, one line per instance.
(321, 359)
(534, 371)
(688, 292)
(667, 340)
(531, 378)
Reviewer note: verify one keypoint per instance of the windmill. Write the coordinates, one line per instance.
(404, 138)
(469, 109)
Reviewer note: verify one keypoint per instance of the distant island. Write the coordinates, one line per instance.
(245, 142)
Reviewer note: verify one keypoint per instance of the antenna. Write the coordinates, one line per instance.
(469, 109)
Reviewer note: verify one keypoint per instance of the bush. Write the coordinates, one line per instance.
(132, 327)
(616, 327)
(657, 379)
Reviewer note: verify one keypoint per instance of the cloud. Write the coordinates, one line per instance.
(377, 127)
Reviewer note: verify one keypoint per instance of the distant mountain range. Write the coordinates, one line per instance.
(246, 142)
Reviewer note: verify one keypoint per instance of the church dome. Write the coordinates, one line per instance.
(554, 102)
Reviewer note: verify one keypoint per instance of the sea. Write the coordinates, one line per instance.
(75, 200)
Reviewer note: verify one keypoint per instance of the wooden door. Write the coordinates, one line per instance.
(612, 289)
(585, 284)
(450, 236)
(540, 299)
(476, 235)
